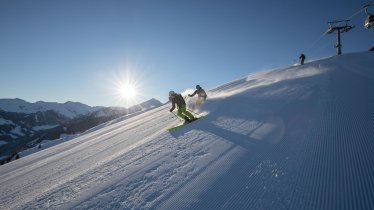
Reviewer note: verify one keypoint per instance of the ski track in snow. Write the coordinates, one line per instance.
(300, 137)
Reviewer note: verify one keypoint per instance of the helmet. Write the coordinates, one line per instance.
(171, 93)
(198, 87)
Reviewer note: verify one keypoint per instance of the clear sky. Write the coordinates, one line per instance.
(82, 50)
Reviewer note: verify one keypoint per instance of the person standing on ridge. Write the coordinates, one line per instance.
(176, 98)
(201, 96)
(302, 59)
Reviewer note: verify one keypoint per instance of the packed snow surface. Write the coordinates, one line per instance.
(300, 137)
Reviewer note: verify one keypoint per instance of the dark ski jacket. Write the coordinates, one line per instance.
(176, 99)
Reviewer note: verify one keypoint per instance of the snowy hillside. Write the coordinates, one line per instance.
(300, 137)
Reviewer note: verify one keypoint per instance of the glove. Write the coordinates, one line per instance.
(189, 95)
(170, 110)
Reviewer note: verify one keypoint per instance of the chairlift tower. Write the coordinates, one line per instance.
(339, 28)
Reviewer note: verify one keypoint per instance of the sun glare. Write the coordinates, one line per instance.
(127, 88)
(128, 91)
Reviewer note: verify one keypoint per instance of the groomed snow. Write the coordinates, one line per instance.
(300, 137)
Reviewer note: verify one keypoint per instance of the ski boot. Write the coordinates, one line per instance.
(186, 120)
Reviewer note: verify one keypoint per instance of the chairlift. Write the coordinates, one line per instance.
(341, 25)
(347, 28)
(369, 22)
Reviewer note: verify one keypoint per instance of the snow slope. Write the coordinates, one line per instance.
(300, 137)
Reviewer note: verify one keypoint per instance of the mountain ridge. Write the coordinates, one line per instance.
(35, 122)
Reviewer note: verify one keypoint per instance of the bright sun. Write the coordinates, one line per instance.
(128, 91)
(127, 88)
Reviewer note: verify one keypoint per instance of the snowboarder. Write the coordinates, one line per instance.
(176, 98)
(302, 59)
(201, 96)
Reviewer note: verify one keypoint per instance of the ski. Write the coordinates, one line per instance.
(182, 125)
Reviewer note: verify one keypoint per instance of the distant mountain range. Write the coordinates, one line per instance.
(24, 125)
(69, 109)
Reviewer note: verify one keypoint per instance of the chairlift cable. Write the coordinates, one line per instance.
(323, 34)
(315, 42)
(356, 13)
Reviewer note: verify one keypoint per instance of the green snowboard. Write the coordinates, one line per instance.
(181, 126)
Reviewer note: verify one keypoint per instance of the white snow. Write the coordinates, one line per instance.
(13, 136)
(6, 122)
(43, 127)
(3, 143)
(299, 137)
(17, 131)
(44, 145)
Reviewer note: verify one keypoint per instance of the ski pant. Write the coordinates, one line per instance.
(182, 112)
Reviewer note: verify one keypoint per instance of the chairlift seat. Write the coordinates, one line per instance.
(369, 22)
(330, 30)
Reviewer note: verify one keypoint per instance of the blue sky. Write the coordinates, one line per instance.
(79, 50)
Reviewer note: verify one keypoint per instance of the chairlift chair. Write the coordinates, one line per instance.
(329, 30)
(369, 22)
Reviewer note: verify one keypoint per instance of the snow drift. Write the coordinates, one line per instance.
(300, 137)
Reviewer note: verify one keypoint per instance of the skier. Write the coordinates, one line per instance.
(302, 59)
(176, 98)
(201, 96)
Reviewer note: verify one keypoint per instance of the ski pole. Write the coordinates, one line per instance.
(176, 116)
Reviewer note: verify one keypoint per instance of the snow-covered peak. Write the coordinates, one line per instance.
(68, 109)
(14, 105)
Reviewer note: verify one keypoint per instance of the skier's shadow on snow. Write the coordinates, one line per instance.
(239, 139)
(243, 140)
